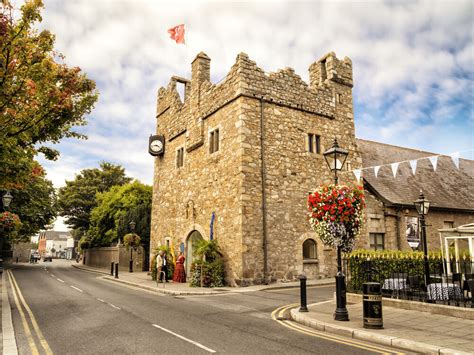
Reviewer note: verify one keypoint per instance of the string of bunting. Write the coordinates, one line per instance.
(413, 164)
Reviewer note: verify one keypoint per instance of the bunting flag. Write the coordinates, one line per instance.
(177, 33)
(357, 173)
(394, 168)
(413, 166)
(376, 170)
(455, 157)
(212, 226)
(434, 162)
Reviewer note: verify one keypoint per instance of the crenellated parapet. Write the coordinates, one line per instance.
(245, 78)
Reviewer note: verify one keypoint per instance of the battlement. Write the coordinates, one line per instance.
(245, 78)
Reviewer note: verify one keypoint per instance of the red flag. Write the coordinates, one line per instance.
(177, 33)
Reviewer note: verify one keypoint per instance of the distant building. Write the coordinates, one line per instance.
(59, 244)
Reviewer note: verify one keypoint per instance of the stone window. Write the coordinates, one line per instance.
(214, 141)
(309, 249)
(377, 241)
(448, 224)
(339, 98)
(314, 143)
(180, 157)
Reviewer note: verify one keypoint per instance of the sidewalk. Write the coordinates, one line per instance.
(143, 280)
(421, 332)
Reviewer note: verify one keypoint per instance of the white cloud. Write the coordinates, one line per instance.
(413, 63)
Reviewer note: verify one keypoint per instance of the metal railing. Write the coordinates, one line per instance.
(404, 279)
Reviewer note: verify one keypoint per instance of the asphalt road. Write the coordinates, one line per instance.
(77, 313)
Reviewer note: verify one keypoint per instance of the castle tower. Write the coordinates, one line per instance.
(249, 150)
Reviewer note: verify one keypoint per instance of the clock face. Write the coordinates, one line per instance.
(156, 146)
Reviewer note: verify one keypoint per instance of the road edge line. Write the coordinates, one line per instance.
(39, 333)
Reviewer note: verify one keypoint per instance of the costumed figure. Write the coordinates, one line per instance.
(179, 274)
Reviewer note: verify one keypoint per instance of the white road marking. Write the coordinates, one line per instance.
(100, 300)
(185, 339)
(52, 275)
(114, 306)
(77, 289)
(60, 280)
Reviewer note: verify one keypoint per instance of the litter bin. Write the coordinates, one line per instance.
(372, 304)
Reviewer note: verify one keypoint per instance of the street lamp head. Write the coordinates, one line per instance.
(132, 225)
(422, 205)
(335, 156)
(6, 199)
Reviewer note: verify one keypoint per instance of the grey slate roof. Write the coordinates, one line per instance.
(56, 235)
(447, 187)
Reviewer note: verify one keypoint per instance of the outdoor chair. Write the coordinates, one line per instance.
(414, 289)
(457, 278)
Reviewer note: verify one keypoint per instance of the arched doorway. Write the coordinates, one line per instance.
(193, 238)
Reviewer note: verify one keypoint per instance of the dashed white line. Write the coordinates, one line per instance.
(100, 300)
(185, 339)
(114, 306)
(77, 289)
(60, 280)
(52, 275)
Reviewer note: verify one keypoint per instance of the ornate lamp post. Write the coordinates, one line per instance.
(422, 206)
(7, 199)
(132, 228)
(335, 158)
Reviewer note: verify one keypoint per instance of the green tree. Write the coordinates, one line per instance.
(35, 205)
(77, 199)
(41, 98)
(110, 216)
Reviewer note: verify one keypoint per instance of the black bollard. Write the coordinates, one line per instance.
(116, 271)
(17, 259)
(112, 268)
(303, 307)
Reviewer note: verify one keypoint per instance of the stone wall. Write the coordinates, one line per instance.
(103, 257)
(230, 182)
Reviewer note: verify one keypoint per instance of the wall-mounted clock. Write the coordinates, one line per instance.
(156, 145)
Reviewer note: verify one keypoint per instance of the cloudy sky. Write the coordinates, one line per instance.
(413, 65)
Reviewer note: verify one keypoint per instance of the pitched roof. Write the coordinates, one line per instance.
(55, 235)
(447, 187)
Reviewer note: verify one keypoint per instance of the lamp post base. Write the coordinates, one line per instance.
(341, 312)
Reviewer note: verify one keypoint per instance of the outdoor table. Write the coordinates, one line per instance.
(444, 292)
(395, 285)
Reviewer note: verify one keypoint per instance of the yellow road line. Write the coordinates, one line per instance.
(41, 338)
(26, 327)
(324, 335)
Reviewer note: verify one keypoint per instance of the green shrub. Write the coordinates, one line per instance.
(380, 265)
(213, 273)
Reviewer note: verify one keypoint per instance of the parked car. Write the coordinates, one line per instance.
(48, 257)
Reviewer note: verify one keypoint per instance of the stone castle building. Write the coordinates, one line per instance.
(248, 150)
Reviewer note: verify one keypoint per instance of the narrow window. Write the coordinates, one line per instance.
(214, 141)
(314, 143)
(317, 144)
(180, 157)
(339, 98)
(309, 249)
(377, 241)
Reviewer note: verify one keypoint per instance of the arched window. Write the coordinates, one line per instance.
(309, 249)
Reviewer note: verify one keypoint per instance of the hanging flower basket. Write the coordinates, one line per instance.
(131, 240)
(336, 214)
(9, 221)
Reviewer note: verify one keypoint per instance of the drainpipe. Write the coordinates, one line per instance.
(264, 196)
